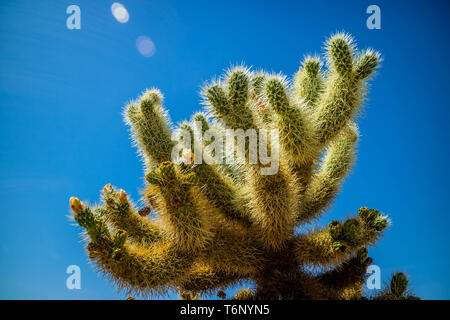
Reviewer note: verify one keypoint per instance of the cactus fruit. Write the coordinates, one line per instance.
(221, 294)
(207, 226)
(75, 205)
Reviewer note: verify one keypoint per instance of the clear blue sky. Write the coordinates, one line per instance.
(62, 92)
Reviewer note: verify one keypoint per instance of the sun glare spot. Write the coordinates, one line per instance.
(120, 12)
(145, 46)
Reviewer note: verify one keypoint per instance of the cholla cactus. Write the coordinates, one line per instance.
(206, 227)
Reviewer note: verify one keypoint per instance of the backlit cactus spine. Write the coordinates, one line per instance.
(213, 225)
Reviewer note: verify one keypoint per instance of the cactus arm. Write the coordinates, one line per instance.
(331, 246)
(397, 289)
(369, 60)
(138, 268)
(297, 137)
(340, 100)
(273, 205)
(150, 127)
(233, 251)
(89, 219)
(295, 129)
(345, 281)
(120, 213)
(335, 166)
(220, 191)
(258, 101)
(204, 279)
(308, 82)
(184, 211)
(230, 105)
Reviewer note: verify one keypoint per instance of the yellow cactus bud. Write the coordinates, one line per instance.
(122, 196)
(108, 188)
(75, 204)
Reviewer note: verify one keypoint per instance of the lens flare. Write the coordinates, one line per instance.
(120, 12)
(145, 46)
